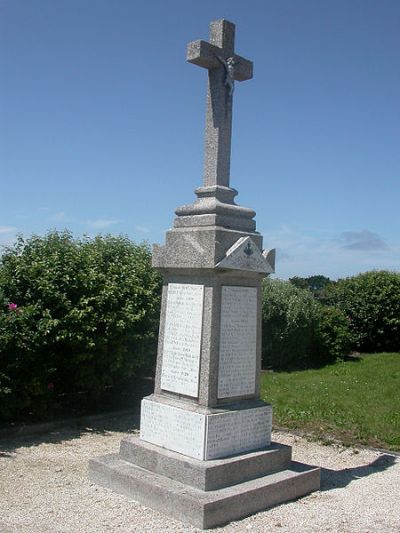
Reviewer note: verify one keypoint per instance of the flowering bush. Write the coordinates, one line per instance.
(76, 316)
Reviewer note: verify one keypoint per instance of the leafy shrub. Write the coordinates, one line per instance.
(332, 336)
(289, 316)
(298, 331)
(84, 317)
(372, 302)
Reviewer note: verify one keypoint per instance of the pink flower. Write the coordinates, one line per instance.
(12, 307)
(50, 386)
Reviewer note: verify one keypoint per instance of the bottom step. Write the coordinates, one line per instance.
(196, 507)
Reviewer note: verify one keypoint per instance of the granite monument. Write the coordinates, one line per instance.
(204, 455)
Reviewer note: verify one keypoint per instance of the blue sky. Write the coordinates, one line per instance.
(101, 123)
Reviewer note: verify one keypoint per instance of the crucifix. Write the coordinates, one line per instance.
(224, 68)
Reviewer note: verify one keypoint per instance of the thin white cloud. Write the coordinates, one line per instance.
(7, 229)
(102, 223)
(142, 229)
(60, 216)
(364, 240)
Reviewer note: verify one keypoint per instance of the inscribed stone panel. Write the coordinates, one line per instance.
(223, 435)
(255, 428)
(238, 431)
(173, 428)
(238, 342)
(182, 339)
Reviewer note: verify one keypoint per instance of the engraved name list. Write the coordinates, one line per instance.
(182, 339)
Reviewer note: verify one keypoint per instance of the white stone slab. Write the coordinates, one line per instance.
(238, 342)
(205, 437)
(182, 339)
(173, 428)
(238, 431)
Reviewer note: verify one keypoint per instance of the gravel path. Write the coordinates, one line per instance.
(44, 488)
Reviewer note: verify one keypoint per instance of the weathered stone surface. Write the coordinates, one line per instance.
(238, 342)
(203, 509)
(239, 431)
(270, 258)
(199, 247)
(245, 255)
(206, 433)
(205, 475)
(173, 428)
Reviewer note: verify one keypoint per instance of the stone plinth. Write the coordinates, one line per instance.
(206, 433)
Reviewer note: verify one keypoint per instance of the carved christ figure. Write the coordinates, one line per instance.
(229, 66)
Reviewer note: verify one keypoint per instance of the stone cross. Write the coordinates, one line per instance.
(224, 67)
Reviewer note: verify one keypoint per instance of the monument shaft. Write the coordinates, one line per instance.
(209, 352)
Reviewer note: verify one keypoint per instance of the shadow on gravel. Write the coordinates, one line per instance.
(121, 415)
(332, 479)
(124, 422)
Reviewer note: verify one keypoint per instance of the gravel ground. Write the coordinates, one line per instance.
(44, 488)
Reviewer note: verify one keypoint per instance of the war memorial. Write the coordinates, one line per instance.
(204, 454)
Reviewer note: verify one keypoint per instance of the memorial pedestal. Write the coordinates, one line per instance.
(205, 455)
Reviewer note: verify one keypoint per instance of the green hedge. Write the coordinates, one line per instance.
(333, 338)
(76, 316)
(297, 330)
(372, 303)
(288, 324)
(80, 316)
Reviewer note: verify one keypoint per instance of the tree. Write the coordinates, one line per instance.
(319, 285)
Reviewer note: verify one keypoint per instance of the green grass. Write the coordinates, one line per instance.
(355, 402)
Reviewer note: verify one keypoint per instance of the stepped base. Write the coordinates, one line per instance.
(205, 475)
(195, 491)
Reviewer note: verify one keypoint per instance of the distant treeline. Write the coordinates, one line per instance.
(313, 320)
